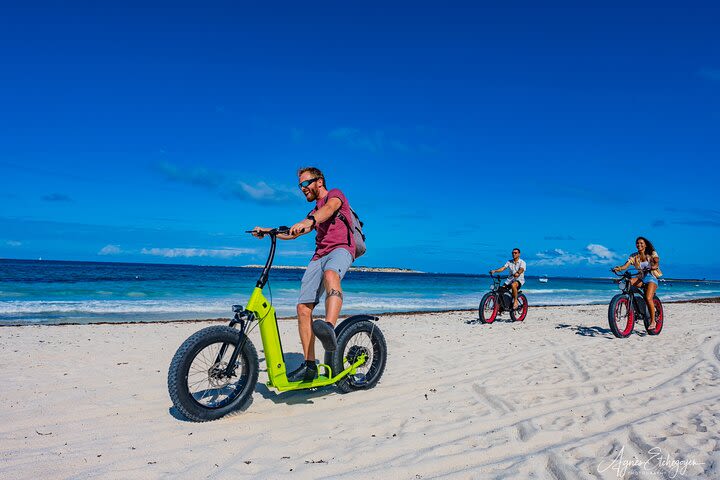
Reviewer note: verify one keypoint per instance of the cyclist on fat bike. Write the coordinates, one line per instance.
(334, 253)
(647, 262)
(516, 279)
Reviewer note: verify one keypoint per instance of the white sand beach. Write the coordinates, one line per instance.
(556, 396)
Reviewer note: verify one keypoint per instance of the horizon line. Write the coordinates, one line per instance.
(409, 270)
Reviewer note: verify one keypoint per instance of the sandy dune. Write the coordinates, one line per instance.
(554, 397)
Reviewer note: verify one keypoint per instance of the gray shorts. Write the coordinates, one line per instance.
(311, 288)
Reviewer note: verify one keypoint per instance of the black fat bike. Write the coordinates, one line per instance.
(629, 306)
(498, 300)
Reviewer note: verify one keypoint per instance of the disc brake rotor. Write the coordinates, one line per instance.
(217, 377)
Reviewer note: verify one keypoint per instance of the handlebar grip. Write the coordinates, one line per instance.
(282, 229)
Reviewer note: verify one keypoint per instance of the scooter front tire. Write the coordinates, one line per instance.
(200, 351)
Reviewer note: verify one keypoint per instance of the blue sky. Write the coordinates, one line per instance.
(160, 132)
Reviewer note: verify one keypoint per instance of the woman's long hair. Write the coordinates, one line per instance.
(649, 247)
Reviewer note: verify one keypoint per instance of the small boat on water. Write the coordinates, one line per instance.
(543, 279)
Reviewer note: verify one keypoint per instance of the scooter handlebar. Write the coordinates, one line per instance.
(273, 231)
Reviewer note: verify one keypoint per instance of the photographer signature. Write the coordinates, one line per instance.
(655, 461)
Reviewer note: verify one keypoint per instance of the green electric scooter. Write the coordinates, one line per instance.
(216, 369)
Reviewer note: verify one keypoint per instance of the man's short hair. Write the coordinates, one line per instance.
(315, 172)
(516, 249)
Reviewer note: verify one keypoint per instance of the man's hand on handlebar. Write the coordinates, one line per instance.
(301, 227)
(259, 232)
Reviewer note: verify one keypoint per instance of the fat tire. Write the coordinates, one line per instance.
(519, 318)
(614, 303)
(180, 366)
(481, 310)
(659, 318)
(379, 358)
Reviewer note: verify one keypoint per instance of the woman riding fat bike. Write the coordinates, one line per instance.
(647, 262)
(629, 306)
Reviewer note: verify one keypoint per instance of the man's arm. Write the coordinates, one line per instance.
(321, 214)
(498, 270)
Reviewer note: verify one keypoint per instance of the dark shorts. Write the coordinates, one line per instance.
(508, 285)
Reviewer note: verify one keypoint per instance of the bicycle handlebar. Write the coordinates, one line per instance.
(628, 273)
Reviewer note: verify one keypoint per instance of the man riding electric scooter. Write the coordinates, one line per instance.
(334, 253)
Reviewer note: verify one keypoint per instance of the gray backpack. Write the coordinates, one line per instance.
(356, 229)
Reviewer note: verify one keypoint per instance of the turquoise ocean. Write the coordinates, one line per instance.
(52, 292)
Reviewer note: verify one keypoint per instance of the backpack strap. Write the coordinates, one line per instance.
(347, 225)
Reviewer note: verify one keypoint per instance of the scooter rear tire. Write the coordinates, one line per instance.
(361, 337)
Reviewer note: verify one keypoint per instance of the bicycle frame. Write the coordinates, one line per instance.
(260, 309)
(499, 288)
(639, 306)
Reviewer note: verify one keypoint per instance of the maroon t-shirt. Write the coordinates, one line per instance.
(333, 233)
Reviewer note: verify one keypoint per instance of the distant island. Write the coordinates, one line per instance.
(352, 269)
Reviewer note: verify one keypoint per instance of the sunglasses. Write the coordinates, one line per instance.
(308, 182)
(515, 251)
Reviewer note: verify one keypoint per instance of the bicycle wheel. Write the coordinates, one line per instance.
(518, 314)
(488, 309)
(197, 383)
(363, 337)
(621, 316)
(659, 317)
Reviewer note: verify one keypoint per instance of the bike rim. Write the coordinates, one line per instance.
(206, 385)
(622, 317)
(489, 307)
(363, 342)
(658, 315)
(521, 311)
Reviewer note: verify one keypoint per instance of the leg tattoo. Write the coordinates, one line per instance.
(335, 293)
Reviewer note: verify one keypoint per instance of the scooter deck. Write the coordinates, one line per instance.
(321, 380)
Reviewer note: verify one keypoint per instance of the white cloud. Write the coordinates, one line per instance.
(223, 184)
(13, 243)
(198, 252)
(262, 192)
(556, 257)
(594, 254)
(110, 250)
(601, 251)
